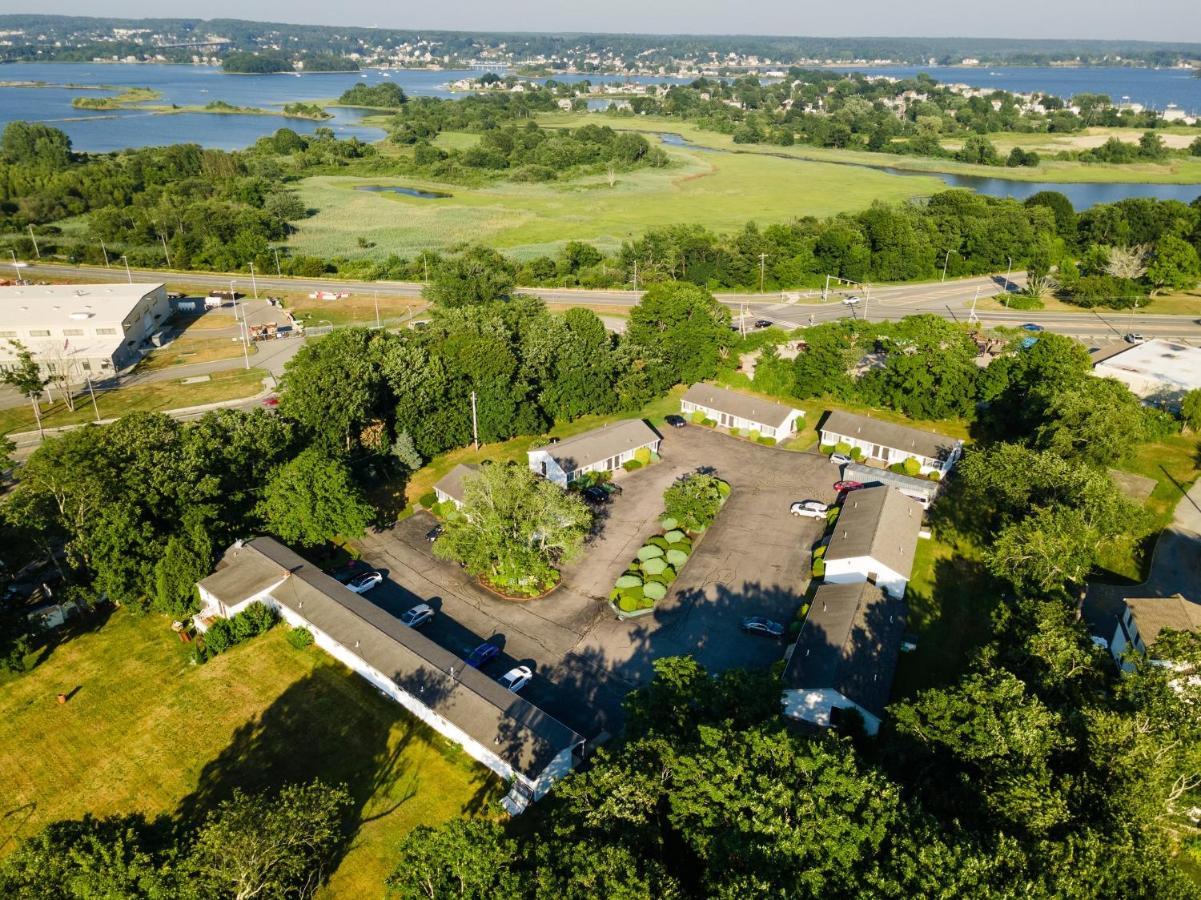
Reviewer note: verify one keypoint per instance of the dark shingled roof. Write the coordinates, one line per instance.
(600, 444)
(451, 483)
(879, 522)
(1154, 614)
(850, 643)
(890, 434)
(513, 728)
(754, 409)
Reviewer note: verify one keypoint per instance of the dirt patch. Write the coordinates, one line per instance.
(1137, 487)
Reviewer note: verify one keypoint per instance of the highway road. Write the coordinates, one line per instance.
(952, 299)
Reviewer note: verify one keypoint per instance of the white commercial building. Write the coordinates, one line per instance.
(80, 331)
(1157, 372)
(874, 540)
(509, 735)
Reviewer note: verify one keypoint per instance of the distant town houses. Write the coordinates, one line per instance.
(604, 449)
(890, 443)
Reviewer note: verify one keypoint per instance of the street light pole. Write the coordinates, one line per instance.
(972, 315)
(946, 259)
(254, 285)
(762, 258)
(278, 271)
(377, 324)
(104, 250)
(95, 408)
(35, 242)
(128, 274)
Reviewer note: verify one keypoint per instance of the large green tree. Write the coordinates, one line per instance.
(473, 276)
(313, 499)
(683, 328)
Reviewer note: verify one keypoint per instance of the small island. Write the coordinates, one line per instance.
(246, 63)
(127, 97)
(385, 95)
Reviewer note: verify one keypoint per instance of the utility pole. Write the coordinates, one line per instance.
(377, 323)
(278, 271)
(35, 242)
(162, 237)
(972, 315)
(475, 431)
(425, 261)
(742, 317)
(128, 274)
(826, 290)
(37, 414)
(762, 259)
(104, 250)
(254, 285)
(635, 273)
(946, 259)
(95, 408)
(1008, 272)
(245, 330)
(867, 298)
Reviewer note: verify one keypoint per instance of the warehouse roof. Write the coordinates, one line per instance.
(513, 728)
(744, 406)
(70, 305)
(600, 444)
(1169, 362)
(890, 434)
(850, 643)
(879, 522)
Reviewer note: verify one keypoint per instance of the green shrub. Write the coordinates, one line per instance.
(697, 417)
(655, 591)
(628, 604)
(723, 488)
(631, 464)
(935, 475)
(819, 568)
(843, 447)
(219, 637)
(673, 536)
(912, 466)
(755, 434)
(667, 576)
(668, 523)
(802, 611)
(660, 541)
(654, 566)
(819, 552)
(655, 457)
(897, 469)
(857, 454)
(767, 441)
(428, 499)
(649, 551)
(741, 432)
(628, 581)
(634, 593)
(832, 515)
(827, 449)
(712, 423)
(643, 455)
(676, 558)
(1021, 301)
(300, 638)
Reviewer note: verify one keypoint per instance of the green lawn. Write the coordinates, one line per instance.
(153, 397)
(719, 191)
(145, 731)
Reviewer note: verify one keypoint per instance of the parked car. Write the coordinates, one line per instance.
(764, 323)
(516, 678)
(812, 509)
(840, 459)
(851, 301)
(365, 582)
(434, 533)
(272, 401)
(1134, 338)
(1030, 326)
(348, 573)
(844, 487)
(760, 625)
(418, 615)
(596, 494)
(676, 421)
(482, 654)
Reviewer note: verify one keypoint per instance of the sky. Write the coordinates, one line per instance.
(1164, 20)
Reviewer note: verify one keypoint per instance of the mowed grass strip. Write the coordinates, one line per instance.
(146, 731)
(157, 396)
(719, 191)
(189, 349)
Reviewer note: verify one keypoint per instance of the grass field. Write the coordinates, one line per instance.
(1183, 303)
(719, 191)
(145, 731)
(357, 309)
(154, 397)
(188, 349)
(1173, 171)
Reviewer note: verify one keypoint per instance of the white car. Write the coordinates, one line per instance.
(515, 679)
(365, 582)
(811, 509)
(851, 301)
(840, 459)
(418, 615)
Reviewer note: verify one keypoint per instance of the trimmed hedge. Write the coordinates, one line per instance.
(649, 551)
(697, 417)
(254, 620)
(668, 523)
(428, 499)
(843, 447)
(912, 467)
(819, 568)
(857, 454)
(631, 464)
(827, 449)
(643, 455)
(767, 441)
(300, 638)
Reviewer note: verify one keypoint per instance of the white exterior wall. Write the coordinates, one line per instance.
(890, 455)
(544, 464)
(815, 705)
(444, 497)
(554, 472)
(725, 420)
(855, 570)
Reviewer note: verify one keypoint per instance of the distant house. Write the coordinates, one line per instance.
(509, 735)
(603, 449)
(449, 488)
(923, 490)
(730, 409)
(888, 442)
(845, 656)
(1133, 624)
(1157, 372)
(875, 539)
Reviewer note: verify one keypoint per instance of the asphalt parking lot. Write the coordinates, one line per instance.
(753, 561)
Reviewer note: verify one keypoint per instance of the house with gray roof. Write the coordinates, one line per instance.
(1133, 624)
(845, 656)
(889, 442)
(604, 449)
(509, 735)
(875, 539)
(734, 410)
(449, 488)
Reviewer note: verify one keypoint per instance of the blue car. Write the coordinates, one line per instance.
(482, 654)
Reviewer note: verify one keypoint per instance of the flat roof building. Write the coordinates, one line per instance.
(81, 330)
(1157, 372)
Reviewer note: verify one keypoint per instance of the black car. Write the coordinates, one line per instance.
(763, 626)
(764, 323)
(595, 494)
(434, 533)
(676, 421)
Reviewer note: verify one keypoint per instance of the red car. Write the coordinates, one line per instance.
(271, 401)
(844, 486)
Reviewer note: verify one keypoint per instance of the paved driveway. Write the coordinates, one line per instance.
(753, 561)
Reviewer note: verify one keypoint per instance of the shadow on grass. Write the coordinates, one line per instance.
(47, 642)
